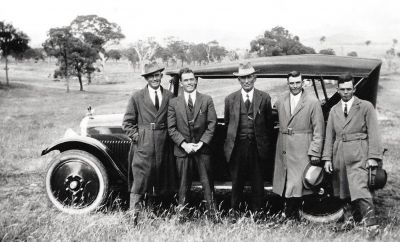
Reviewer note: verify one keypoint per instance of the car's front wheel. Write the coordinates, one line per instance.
(76, 182)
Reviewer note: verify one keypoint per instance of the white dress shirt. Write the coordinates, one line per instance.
(294, 100)
(244, 95)
(349, 104)
(192, 95)
(153, 95)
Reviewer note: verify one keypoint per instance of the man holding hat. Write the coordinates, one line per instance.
(300, 142)
(352, 145)
(145, 122)
(248, 118)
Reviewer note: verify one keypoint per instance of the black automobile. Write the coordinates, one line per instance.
(94, 164)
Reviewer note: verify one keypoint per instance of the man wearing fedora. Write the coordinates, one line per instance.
(352, 145)
(145, 122)
(248, 118)
(300, 142)
(191, 124)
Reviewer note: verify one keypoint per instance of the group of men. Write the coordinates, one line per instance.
(351, 143)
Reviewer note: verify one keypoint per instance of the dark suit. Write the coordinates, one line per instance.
(246, 155)
(201, 128)
(151, 165)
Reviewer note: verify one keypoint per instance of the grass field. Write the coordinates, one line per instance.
(35, 111)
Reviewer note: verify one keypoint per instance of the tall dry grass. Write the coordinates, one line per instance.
(31, 117)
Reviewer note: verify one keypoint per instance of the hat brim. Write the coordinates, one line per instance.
(237, 74)
(146, 74)
(318, 181)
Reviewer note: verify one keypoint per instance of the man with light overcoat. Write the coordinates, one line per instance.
(352, 145)
(300, 142)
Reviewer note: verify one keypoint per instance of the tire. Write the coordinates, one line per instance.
(76, 182)
(322, 209)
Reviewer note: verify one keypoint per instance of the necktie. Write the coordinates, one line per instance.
(157, 102)
(247, 103)
(345, 110)
(190, 103)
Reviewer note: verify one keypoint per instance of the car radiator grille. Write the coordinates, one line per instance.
(119, 150)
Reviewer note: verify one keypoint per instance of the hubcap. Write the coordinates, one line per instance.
(75, 183)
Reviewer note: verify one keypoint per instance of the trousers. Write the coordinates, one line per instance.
(246, 165)
(185, 166)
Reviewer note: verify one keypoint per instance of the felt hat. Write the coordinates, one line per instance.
(151, 68)
(245, 70)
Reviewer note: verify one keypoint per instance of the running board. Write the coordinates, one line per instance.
(228, 186)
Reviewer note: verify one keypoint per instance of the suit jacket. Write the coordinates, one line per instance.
(293, 151)
(205, 119)
(349, 143)
(263, 123)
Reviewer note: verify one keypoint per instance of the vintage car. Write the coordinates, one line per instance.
(94, 164)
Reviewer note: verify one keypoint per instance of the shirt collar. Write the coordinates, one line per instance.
(349, 103)
(296, 96)
(192, 95)
(152, 90)
(250, 93)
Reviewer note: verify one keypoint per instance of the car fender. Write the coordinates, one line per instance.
(88, 144)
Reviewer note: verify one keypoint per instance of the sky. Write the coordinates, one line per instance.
(232, 23)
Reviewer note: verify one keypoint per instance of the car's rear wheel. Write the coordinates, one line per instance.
(322, 209)
(76, 182)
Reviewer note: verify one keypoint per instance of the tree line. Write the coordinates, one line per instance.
(84, 47)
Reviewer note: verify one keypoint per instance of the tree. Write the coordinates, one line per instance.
(113, 54)
(322, 40)
(233, 55)
(146, 50)
(132, 56)
(277, 42)
(75, 57)
(352, 53)
(82, 58)
(12, 42)
(34, 54)
(218, 53)
(210, 44)
(102, 33)
(164, 54)
(198, 53)
(389, 56)
(328, 51)
(179, 49)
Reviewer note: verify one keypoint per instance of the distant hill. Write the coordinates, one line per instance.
(344, 43)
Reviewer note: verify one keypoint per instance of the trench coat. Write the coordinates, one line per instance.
(300, 136)
(153, 165)
(263, 123)
(204, 123)
(350, 142)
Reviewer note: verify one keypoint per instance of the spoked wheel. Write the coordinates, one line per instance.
(76, 182)
(322, 208)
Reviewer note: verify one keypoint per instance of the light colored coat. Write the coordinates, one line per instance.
(350, 142)
(293, 150)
